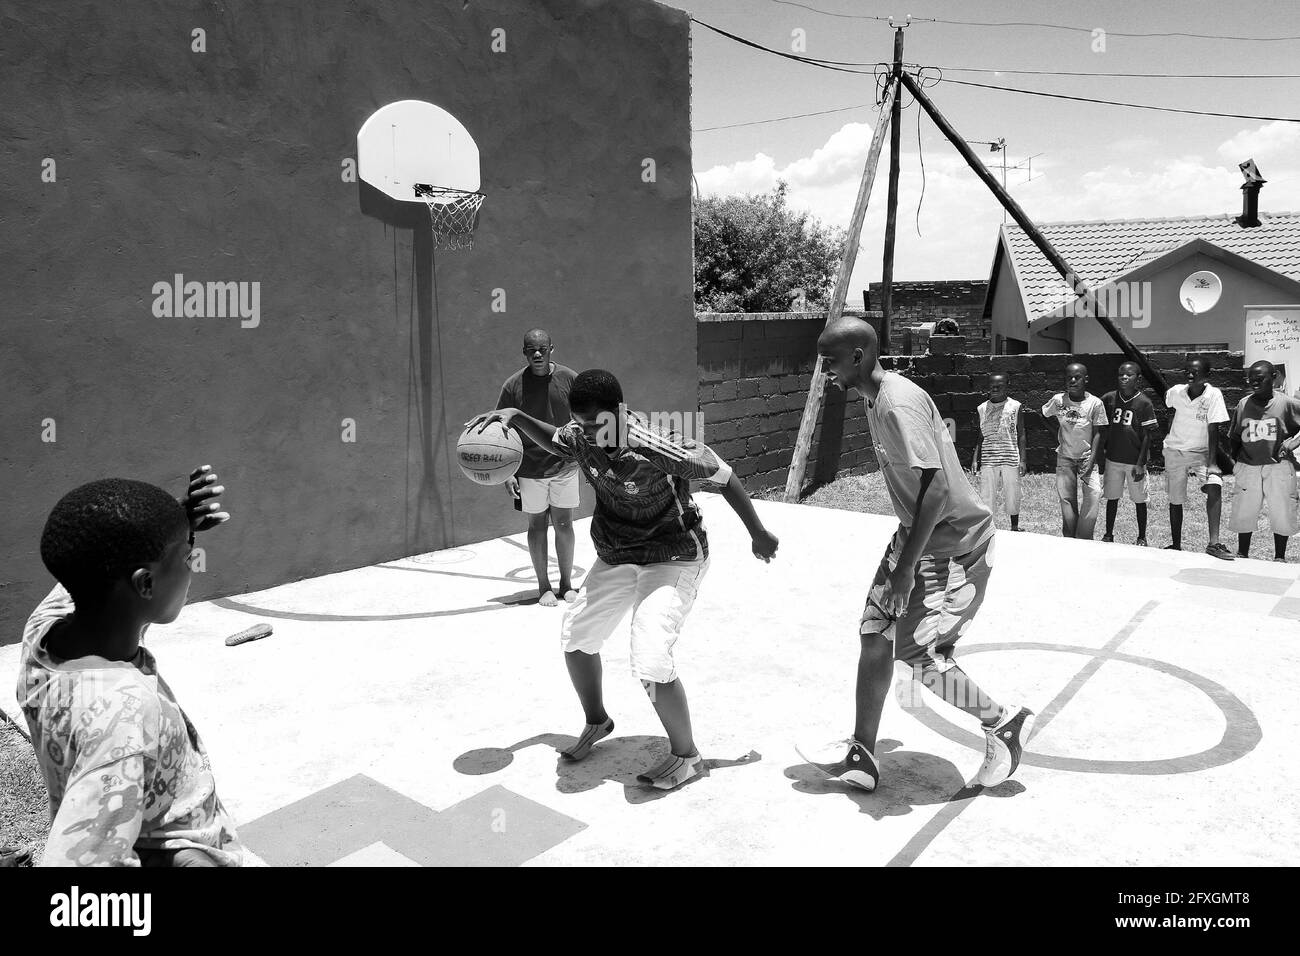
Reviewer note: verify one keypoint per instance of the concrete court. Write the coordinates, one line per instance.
(408, 713)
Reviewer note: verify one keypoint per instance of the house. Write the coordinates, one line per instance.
(1168, 284)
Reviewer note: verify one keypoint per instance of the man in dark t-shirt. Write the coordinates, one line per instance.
(1132, 418)
(544, 484)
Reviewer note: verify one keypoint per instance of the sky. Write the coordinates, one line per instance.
(1093, 162)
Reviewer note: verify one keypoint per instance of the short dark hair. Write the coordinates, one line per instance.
(104, 530)
(595, 390)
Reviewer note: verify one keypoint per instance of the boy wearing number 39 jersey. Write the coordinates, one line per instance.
(1128, 440)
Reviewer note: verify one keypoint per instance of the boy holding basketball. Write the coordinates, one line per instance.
(935, 571)
(128, 779)
(652, 553)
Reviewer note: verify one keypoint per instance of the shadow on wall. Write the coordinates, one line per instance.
(422, 382)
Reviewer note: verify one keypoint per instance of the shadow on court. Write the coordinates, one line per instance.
(908, 779)
(615, 760)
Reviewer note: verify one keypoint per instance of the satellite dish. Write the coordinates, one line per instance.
(1200, 291)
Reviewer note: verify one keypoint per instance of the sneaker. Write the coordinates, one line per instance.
(672, 772)
(590, 736)
(1107, 539)
(1220, 551)
(1173, 547)
(1003, 745)
(1282, 560)
(1141, 542)
(15, 857)
(859, 767)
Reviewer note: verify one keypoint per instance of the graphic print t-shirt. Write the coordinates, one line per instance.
(123, 765)
(546, 398)
(1128, 419)
(1079, 420)
(644, 510)
(1189, 432)
(909, 434)
(1263, 427)
(1000, 442)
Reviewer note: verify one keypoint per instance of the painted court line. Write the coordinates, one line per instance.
(967, 794)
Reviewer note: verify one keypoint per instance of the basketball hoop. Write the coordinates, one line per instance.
(453, 214)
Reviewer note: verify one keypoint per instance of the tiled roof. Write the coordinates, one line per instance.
(1099, 251)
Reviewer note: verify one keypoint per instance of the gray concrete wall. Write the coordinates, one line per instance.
(227, 166)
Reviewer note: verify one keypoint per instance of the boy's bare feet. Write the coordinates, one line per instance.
(547, 599)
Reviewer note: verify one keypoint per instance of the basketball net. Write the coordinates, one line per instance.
(453, 214)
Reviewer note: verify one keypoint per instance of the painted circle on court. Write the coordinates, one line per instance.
(1240, 735)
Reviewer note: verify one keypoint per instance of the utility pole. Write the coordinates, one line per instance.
(998, 145)
(891, 207)
(1087, 297)
(817, 388)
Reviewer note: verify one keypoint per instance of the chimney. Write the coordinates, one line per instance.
(1249, 217)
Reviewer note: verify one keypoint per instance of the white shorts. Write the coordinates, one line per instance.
(1008, 478)
(560, 490)
(1260, 485)
(1179, 466)
(659, 597)
(1117, 476)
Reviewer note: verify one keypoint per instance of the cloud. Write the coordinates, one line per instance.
(959, 217)
(1271, 141)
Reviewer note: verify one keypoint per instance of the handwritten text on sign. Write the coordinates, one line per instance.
(1272, 333)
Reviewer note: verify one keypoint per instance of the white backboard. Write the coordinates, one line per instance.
(411, 142)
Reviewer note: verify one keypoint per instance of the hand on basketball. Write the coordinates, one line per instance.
(512, 486)
(764, 545)
(502, 415)
(898, 590)
(201, 506)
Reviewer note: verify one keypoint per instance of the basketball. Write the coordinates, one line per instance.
(491, 456)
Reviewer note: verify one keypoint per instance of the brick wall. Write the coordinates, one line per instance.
(957, 384)
(754, 375)
(755, 370)
(917, 302)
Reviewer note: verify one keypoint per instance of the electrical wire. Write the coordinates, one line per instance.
(1032, 23)
(1136, 106)
(878, 67)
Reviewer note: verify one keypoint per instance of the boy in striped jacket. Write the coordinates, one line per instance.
(1000, 455)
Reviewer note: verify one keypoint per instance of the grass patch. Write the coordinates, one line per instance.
(24, 806)
(1040, 510)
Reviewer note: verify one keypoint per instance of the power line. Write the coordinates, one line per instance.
(1136, 106)
(781, 119)
(811, 61)
(1109, 33)
(1180, 76)
(828, 13)
(1031, 23)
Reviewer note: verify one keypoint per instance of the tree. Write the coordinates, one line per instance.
(751, 251)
